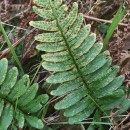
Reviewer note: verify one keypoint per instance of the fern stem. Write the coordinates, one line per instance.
(12, 103)
(38, 68)
(94, 123)
(82, 127)
(75, 63)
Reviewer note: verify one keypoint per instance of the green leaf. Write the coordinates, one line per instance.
(91, 127)
(82, 35)
(19, 88)
(9, 82)
(75, 97)
(20, 118)
(47, 26)
(47, 14)
(78, 107)
(114, 85)
(6, 117)
(112, 103)
(1, 106)
(67, 87)
(71, 17)
(99, 73)
(119, 15)
(51, 47)
(90, 56)
(58, 66)
(35, 105)
(62, 77)
(75, 28)
(96, 64)
(82, 115)
(34, 122)
(48, 37)
(56, 57)
(86, 45)
(106, 79)
(125, 105)
(3, 70)
(28, 96)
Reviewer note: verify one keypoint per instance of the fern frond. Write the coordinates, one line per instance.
(18, 100)
(87, 79)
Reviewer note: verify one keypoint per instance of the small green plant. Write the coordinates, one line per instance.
(18, 101)
(88, 81)
(117, 18)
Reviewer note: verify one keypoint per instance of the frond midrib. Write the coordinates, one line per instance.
(74, 61)
(13, 104)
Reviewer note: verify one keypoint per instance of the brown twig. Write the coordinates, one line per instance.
(102, 20)
(14, 26)
(7, 50)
